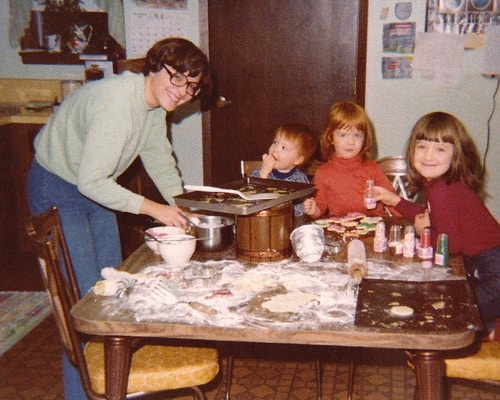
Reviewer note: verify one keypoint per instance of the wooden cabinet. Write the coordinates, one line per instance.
(16, 155)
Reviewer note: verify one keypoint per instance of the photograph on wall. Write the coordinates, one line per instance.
(399, 37)
(397, 67)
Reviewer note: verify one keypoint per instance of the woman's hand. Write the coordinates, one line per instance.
(268, 163)
(311, 208)
(385, 196)
(167, 215)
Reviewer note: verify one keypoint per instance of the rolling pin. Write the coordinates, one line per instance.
(356, 260)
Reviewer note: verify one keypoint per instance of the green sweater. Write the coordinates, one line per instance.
(98, 131)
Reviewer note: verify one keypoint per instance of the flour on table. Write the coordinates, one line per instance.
(289, 302)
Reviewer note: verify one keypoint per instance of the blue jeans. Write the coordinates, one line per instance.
(91, 233)
(483, 272)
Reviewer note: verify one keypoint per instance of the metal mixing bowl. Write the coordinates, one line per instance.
(219, 231)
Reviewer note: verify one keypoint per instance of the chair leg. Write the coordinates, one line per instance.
(198, 393)
(350, 382)
(319, 377)
(229, 370)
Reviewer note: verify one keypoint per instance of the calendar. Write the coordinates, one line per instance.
(147, 21)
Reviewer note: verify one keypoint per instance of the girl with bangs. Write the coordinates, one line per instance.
(340, 182)
(443, 163)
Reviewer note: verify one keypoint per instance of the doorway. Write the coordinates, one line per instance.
(274, 62)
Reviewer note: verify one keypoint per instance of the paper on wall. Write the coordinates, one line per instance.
(439, 56)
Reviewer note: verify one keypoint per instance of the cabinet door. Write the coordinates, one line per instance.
(277, 61)
(21, 152)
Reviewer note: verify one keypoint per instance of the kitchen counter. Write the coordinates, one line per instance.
(15, 93)
(25, 117)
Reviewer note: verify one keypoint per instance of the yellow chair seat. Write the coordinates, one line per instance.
(173, 367)
(483, 365)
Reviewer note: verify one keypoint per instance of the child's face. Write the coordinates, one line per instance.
(286, 153)
(348, 142)
(432, 159)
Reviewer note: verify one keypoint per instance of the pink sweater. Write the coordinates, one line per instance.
(459, 212)
(340, 184)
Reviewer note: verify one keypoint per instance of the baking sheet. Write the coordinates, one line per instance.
(437, 305)
(233, 204)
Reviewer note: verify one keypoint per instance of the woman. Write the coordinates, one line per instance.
(94, 136)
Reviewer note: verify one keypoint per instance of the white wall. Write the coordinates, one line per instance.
(394, 105)
(186, 135)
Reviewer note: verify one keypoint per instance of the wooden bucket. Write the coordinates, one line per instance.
(265, 235)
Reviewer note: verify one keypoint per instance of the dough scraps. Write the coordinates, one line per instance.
(288, 302)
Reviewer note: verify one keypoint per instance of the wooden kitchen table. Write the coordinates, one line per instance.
(92, 316)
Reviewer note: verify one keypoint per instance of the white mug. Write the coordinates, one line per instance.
(53, 43)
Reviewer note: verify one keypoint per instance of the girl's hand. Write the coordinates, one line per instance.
(310, 208)
(421, 221)
(385, 196)
(268, 163)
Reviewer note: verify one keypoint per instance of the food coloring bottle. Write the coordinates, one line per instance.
(370, 202)
(441, 258)
(425, 251)
(409, 242)
(380, 240)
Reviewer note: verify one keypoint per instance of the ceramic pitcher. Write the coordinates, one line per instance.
(79, 38)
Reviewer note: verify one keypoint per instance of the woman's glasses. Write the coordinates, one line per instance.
(179, 80)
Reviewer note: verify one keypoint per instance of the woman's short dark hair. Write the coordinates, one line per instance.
(183, 56)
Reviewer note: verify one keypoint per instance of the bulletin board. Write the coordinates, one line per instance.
(147, 21)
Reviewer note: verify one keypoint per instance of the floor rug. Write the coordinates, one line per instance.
(20, 312)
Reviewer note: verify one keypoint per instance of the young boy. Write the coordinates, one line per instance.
(292, 148)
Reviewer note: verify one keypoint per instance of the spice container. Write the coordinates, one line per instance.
(380, 240)
(441, 258)
(425, 251)
(409, 242)
(370, 202)
(395, 241)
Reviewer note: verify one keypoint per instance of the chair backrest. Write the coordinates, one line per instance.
(395, 169)
(247, 167)
(49, 245)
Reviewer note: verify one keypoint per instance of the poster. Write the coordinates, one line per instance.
(399, 37)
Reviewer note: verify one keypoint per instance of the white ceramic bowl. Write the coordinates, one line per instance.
(161, 232)
(177, 249)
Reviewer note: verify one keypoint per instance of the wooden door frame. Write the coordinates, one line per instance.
(359, 85)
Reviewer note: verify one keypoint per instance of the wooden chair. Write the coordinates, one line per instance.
(478, 364)
(395, 169)
(247, 167)
(154, 368)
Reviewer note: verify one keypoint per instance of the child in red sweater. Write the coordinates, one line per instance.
(443, 161)
(340, 182)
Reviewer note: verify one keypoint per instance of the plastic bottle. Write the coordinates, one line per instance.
(370, 202)
(425, 251)
(409, 242)
(441, 258)
(380, 240)
(395, 240)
